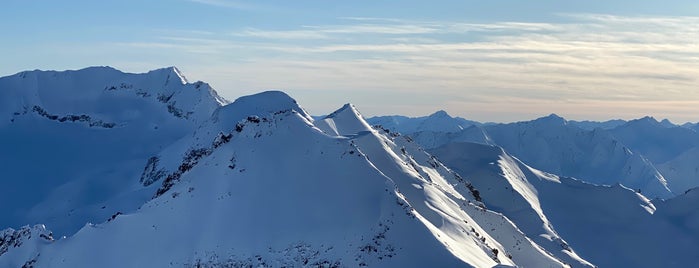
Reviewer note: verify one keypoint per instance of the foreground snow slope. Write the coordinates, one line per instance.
(259, 184)
(74, 142)
(610, 226)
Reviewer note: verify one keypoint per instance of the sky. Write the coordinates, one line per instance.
(496, 61)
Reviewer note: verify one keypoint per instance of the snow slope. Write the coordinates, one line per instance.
(682, 172)
(74, 142)
(260, 184)
(611, 226)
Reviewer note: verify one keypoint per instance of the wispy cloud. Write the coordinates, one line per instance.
(594, 59)
(227, 4)
(272, 34)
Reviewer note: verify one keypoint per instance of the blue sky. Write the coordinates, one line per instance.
(483, 60)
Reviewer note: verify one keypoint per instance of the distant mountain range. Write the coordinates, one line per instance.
(112, 169)
(644, 154)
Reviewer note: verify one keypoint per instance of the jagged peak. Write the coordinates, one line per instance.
(344, 121)
(646, 120)
(171, 72)
(440, 114)
(552, 118)
(347, 107)
(667, 123)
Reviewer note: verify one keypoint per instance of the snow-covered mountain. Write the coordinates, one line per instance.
(260, 183)
(611, 226)
(72, 141)
(439, 121)
(111, 169)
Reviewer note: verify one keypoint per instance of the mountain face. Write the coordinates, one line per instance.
(439, 121)
(562, 212)
(72, 141)
(256, 182)
(654, 140)
(672, 149)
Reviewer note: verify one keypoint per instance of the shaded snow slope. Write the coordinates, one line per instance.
(74, 142)
(609, 226)
(681, 211)
(682, 172)
(672, 149)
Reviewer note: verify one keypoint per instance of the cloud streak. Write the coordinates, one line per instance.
(227, 4)
(595, 59)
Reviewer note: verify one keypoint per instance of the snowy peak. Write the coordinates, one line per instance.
(343, 122)
(647, 121)
(169, 75)
(667, 123)
(440, 114)
(260, 104)
(552, 119)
